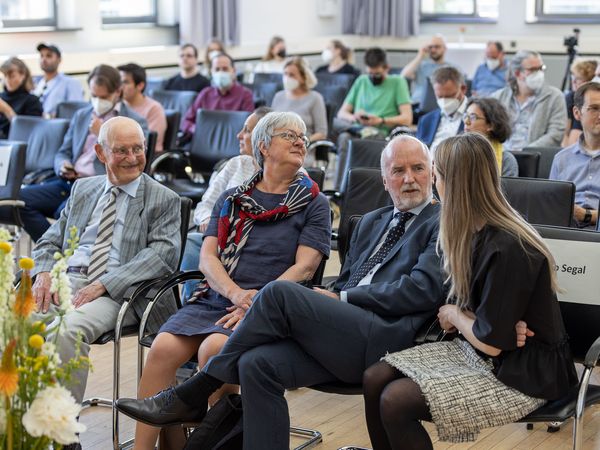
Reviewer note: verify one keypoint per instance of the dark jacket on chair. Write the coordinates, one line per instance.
(428, 125)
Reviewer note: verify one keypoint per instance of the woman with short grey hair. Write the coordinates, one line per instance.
(265, 128)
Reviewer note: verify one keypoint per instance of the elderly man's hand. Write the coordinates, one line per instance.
(41, 292)
(233, 318)
(242, 298)
(333, 295)
(88, 294)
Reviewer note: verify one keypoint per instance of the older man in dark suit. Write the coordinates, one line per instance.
(129, 229)
(292, 336)
(76, 157)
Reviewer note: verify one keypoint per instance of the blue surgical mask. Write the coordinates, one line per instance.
(221, 80)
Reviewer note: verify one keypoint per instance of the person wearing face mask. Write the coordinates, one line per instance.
(224, 94)
(213, 48)
(336, 58)
(298, 97)
(274, 59)
(491, 75)
(76, 157)
(582, 71)
(16, 99)
(446, 121)
(189, 77)
(538, 112)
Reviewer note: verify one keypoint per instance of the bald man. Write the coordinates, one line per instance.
(111, 255)
(292, 336)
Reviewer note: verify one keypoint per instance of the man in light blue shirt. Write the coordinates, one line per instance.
(491, 75)
(580, 163)
(54, 87)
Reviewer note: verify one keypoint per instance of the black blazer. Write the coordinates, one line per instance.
(408, 287)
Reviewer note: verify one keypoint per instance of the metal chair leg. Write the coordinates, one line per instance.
(580, 409)
(314, 437)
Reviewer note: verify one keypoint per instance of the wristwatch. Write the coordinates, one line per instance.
(587, 219)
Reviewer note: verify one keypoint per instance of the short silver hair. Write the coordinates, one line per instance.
(515, 64)
(387, 151)
(264, 129)
(108, 128)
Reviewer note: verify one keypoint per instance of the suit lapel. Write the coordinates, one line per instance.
(379, 226)
(85, 203)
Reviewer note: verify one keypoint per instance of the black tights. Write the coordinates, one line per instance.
(394, 405)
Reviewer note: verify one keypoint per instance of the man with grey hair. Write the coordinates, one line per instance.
(293, 336)
(129, 231)
(538, 112)
(446, 121)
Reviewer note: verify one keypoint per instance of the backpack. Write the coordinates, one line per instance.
(221, 428)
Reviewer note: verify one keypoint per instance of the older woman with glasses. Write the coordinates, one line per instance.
(276, 225)
(488, 117)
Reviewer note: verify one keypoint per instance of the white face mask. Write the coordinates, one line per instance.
(327, 55)
(596, 79)
(289, 83)
(221, 80)
(101, 105)
(535, 81)
(448, 105)
(492, 63)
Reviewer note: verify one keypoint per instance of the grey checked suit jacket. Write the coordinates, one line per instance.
(150, 244)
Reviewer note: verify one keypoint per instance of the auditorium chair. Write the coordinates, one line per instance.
(264, 92)
(177, 100)
(344, 80)
(546, 157)
(173, 120)
(12, 154)
(529, 162)
(539, 201)
(260, 78)
(66, 110)
(153, 84)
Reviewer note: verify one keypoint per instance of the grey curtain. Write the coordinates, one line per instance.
(202, 20)
(398, 18)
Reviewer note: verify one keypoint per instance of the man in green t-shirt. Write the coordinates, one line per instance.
(376, 103)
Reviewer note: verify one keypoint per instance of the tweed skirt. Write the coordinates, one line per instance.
(460, 389)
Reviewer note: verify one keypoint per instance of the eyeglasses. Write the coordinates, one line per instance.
(472, 117)
(593, 109)
(292, 136)
(124, 151)
(541, 68)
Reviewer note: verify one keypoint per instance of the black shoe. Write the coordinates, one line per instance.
(164, 409)
(76, 446)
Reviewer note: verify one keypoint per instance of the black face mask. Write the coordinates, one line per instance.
(281, 53)
(376, 79)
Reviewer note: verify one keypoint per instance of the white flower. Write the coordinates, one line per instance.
(49, 350)
(53, 413)
(61, 284)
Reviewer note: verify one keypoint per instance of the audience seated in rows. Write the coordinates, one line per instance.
(15, 99)
(376, 103)
(538, 111)
(274, 59)
(129, 229)
(336, 57)
(488, 117)
(274, 226)
(213, 48)
(133, 82)
(293, 336)
(582, 71)
(479, 379)
(429, 58)
(189, 77)
(491, 75)
(234, 173)
(76, 158)
(580, 163)
(298, 97)
(446, 121)
(225, 94)
(55, 87)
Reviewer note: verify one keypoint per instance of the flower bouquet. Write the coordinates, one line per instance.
(36, 410)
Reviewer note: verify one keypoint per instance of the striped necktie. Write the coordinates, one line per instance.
(103, 243)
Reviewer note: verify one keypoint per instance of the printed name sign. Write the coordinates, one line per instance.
(5, 152)
(578, 270)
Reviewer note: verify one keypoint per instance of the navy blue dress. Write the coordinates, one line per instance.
(269, 251)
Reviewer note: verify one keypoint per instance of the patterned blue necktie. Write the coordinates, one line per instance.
(395, 233)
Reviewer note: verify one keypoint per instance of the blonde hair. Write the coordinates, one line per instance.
(584, 67)
(272, 43)
(467, 166)
(310, 80)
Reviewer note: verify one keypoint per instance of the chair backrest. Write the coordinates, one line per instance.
(546, 158)
(66, 110)
(173, 119)
(362, 153)
(529, 163)
(153, 84)
(317, 175)
(215, 138)
(335, 79)
(12, 170)
(260, 78)
(333, 95)
(186, 210)
(543, 202)
(151, 138)
(263, 93)
(364, 193)
(577, 256)
(177, 100)
(43, 136)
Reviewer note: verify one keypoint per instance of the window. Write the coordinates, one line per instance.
(459, 10)
(581, 11)
(27, 13)
(130, 11)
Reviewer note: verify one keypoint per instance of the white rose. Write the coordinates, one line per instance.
(53, 413)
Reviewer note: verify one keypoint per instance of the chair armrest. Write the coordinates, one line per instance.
(165, 156)
(323, 143)
(331, 193)
(16, 203)
(592, 355)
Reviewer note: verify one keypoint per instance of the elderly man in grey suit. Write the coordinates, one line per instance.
(129, 228)
(390, 284)
(76, 157)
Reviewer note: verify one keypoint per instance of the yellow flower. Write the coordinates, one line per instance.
(24, 302)
(26, 263)
(38, 326)
(36, 341)
(9, 377)
(5, 247)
